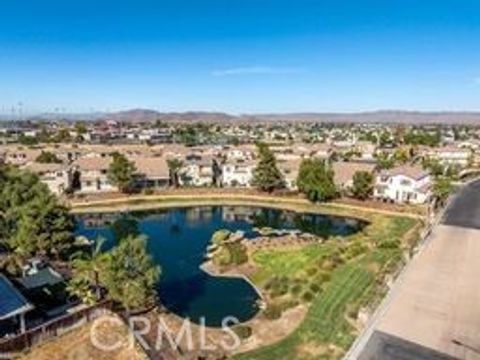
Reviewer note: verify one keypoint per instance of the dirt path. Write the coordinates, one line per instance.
(145, 202)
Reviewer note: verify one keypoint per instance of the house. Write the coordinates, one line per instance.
(13, 306)
(321, 150)
(19, 156)
(152, 171)
(47, 289)
(289, 170)
(55, 176)
(403, 184)
(344, 172)
(237, 173)
(450, 155)
(197, 171)
(93, 174)
(366, 150)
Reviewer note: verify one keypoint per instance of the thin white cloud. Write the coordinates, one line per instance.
(257, 70)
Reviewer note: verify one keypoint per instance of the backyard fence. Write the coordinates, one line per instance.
(51, 329)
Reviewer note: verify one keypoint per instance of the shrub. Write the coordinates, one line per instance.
(389, 244)
(243, 331)
(315, 288)
(238, 253)
(312, 271)
(148, 191)
(273, 311)
(307, 296)
(220, 236)
(296, 289)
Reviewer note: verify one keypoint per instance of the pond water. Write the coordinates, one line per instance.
(178, 239)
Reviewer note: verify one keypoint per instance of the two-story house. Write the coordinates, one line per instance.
(237, 173)
(93, 174)
(55, 176)
(404, 184)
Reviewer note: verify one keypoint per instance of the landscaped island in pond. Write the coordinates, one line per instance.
(178, 240)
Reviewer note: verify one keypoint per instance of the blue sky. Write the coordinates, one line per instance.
(239, 55)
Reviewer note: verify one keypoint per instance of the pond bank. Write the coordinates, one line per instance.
(150, 202)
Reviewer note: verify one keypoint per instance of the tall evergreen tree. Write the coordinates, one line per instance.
(266, 175)
(130, 275)
(32, 221)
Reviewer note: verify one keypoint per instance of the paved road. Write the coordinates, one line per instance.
(464, 210)
(434, 310)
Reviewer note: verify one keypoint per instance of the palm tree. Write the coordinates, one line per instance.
(174, 166)
(87, 268)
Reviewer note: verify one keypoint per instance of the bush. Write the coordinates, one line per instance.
(243, 331)
(148, 191)
(307, 296)
(322, 277)
(389, 244)
(238, 253)
(220, 236)
(312, 271)
(273, 311)
(315, 288)
(296, 289)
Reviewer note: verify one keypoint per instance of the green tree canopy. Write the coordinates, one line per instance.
(47, 157)
(87, 267)
(442, 188)
(362, 185)
(121, 172)
(32, 221)
(130, 275)
(266, 175)
(316, 180)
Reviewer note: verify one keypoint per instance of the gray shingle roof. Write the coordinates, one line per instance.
(12, 301)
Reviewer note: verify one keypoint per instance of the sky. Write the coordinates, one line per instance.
(239, 56)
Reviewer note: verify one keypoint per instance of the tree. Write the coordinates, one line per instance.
(63, 135)
(442, 189)
(384, 160)
(47, 157)
(174, 167)
(86, 272)
(80, 128)
(130, 275)
(316, 180)
(266, 175)
(121, 172)
(362, 185)
(33, 222)
(434, 166)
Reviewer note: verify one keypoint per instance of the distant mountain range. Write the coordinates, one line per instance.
(390, 117)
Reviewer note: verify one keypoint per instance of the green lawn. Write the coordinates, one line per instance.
(357, 268)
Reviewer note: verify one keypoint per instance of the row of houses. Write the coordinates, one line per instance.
(226, 166)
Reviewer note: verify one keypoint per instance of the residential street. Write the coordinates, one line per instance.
(433, 312)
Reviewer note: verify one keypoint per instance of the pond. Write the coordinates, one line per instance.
(178, 239)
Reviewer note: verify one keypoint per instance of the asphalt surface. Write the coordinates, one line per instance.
(464, 210)
(382, 346)
(435, 312)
